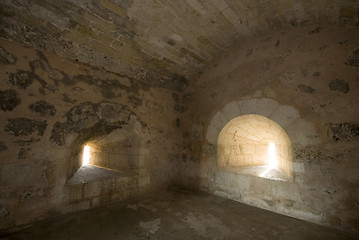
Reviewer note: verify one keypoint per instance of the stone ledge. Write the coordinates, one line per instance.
(91, 173)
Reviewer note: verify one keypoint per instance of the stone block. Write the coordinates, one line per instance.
(219, 120)
(247, 106)
(212, 134)
(230, 110)
(221, 5)
(57, 20)
(298, 167)
(266, 106)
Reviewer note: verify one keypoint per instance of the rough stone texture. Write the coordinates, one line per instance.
(177, 214)
(9, 100)
(353, 59)
(307, 89)
(173, 67)
(160, 43)
(6, 58)
(3, 147)
(339, 85)
(344, 131)
(40, 154)
(43, 107)
(316, 74)
(21, 79)
(92, 119)
(23, 153)
(24, 126)
(321, 124)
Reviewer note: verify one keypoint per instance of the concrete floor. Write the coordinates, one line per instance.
(176, 214)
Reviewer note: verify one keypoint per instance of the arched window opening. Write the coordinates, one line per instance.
(255, 145)
(114, 155)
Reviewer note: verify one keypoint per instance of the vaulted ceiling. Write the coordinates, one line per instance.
(163, 43)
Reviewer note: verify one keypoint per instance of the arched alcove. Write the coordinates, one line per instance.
(116, 154)
(111, 133)
(118, 151)
(255, 145)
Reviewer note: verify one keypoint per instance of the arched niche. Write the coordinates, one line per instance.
(255, 145)
(119, 151)
(112, 133)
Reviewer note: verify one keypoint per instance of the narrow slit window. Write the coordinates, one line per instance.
(86, 156)
(272, 156)
(255, 145)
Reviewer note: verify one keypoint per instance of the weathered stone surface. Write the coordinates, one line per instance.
(316, 74)
(3, 147)
(9, 100)
(308, 153)
(339, 85)
(316, 30)
(344, 131)
(353, 59)
(116, 35)
(21, 79)
(67, 99)
(43, 108)
(323, 153)
(305, 88)
(91, 119)
(24, 126)
(3, 211)
(22, 153)
(134, 48)
(135, 101)
(6, 58)
(22, 143)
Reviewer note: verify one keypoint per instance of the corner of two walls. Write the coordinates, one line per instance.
(50, 107)
(306, 80)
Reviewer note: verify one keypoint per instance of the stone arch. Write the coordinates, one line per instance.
(286, 116)
(255, 145)
(111, 129)
(118, 150)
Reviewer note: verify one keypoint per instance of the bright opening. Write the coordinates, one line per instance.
(86, 155)
(272, 156)
(255, 145)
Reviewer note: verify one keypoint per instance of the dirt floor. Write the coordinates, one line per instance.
(176, 214)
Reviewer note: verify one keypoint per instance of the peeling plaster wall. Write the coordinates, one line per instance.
(49, 107)
(307, 80)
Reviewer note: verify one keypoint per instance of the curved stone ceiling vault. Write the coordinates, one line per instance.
(160, 42)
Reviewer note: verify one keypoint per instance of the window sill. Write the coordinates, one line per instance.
(90, 173)
(259, 171)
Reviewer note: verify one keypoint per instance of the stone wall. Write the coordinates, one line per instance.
(246, 140)
(307, 81)
(162, 43)
(51, 107)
